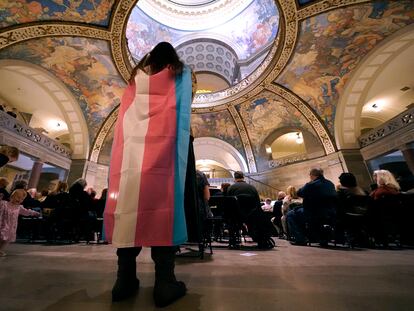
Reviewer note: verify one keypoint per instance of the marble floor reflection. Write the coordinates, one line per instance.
(79, 277)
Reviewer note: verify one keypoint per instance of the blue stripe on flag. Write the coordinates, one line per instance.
(183, 98)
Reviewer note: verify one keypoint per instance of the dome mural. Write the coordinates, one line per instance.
(225, 38)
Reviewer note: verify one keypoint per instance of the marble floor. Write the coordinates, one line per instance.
(79, 277)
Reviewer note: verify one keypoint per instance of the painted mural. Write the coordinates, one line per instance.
(105, 153)
(252, 30)
(263, 115)
(84, 65)
(219, 125)
(331, 45)
(96, 12)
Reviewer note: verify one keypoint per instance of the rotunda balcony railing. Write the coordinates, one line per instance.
(12, 125)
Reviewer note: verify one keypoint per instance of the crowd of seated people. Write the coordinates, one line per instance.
(317, 212)
(69, 213)
(322, 212)
(347, 213)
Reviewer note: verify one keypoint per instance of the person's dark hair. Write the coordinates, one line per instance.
(161, 56)
(62, 186)
(104, 194)
(81, 181)
(93, 194)
(317, 172)
(44, 192)
(224, 187)
(10, 151)
(348, 180)
(238, 175)
(20, 184)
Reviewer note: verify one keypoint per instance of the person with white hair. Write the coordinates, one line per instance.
(386, 184)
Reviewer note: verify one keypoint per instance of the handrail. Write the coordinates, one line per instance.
(393, 125)
(258, 181)
(15, 126)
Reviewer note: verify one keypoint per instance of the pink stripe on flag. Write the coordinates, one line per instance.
(156, 199)
(116, 162)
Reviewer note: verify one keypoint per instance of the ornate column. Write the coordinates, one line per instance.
(408, 153)
(35, 174)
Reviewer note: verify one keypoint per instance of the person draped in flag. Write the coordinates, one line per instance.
(145, 201)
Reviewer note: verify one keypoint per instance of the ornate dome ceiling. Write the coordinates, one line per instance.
(289, 62)
(224, 41)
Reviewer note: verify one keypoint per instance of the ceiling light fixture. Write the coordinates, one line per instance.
(299, 138)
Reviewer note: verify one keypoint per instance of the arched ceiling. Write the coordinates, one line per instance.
(300, 81)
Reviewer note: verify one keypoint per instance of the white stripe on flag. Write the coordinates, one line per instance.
(135, 127)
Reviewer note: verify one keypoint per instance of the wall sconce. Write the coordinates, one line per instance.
(299, 138)
(268, 149)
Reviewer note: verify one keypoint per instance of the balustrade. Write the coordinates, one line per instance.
(393, 125)
(12, 125)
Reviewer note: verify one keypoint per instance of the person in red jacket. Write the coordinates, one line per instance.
(386, 184)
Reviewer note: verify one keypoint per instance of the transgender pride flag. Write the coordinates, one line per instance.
(145, 203)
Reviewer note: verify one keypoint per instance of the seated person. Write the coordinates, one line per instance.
(203, 195)
(348, 186)
(29, 202)
(223, 189)
(386, 184)
(252, 215)
(267, 206)
(319, 198)
(290, 201)
(277, 213)
(240, 187)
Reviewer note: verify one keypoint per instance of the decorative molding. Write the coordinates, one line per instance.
(12, 127)
(119, 48)
(251, 162)
(47, 29)
(102, 133)
(291, 29)
(308, 113)
(287, 160)
(323, 6)
(403, 122)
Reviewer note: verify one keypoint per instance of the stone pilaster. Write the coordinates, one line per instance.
(35, 174)
(408, 153)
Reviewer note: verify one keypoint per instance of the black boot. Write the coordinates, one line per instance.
(126, 282)
(166, 289)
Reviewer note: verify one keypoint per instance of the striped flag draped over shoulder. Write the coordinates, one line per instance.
(145, 203)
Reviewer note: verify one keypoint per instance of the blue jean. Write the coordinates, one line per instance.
(296, 222)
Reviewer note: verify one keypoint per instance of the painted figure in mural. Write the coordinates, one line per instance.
(150, 154)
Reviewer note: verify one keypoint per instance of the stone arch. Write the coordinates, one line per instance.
(310, 115)
(354, 97)
(220, 151)
(312, 143)
(62, 97)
